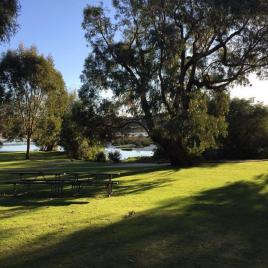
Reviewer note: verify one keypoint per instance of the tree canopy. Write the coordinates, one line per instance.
(170, 63)
(30, 85)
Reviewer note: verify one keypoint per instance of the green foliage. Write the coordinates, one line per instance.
(160, 154)
(100, 157)
(47, 135)
(114, 156)
(170, 64)
(74, 137)
(32, 90)
(9, 10)
(247, 130)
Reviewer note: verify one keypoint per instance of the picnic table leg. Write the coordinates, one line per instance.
(51, 188)
(57, 187)
(61, 187)
(28, 187)
(15, 189)
(110, 187)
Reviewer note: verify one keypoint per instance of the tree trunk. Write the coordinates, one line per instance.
(177, 156)
(28, 148)
(174, 150)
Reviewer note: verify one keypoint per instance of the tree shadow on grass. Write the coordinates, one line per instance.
(20, 205)
(222, 227)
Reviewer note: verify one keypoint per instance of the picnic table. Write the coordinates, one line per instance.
(59, 179)
(87, 178)
(56, 183)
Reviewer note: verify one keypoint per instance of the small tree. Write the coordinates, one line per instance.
(47, 135)
(80, 140)
(27, 80)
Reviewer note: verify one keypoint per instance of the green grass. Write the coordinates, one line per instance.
(214, 215)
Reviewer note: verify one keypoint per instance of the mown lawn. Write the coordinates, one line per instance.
(214, 215)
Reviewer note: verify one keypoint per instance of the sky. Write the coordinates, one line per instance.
(54, 27)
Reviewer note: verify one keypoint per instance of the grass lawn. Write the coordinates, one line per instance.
(214, 215)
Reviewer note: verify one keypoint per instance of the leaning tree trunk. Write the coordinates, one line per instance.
(27, 156)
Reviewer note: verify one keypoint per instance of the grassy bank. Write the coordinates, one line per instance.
(214, 215)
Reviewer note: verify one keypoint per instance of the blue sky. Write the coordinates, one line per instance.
(54, 26)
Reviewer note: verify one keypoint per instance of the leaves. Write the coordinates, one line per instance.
(33, 92)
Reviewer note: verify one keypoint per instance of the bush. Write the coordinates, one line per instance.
(160, 154)
(247, 130)
(114, 156)
(100, 157)
(76, 144)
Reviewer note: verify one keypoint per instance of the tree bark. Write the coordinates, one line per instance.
(174, 150)
(178, 157)
(27, 156)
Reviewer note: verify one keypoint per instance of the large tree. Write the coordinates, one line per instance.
(171, 62)
(28, 81)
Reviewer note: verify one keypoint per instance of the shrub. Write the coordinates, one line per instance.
(160, 154)
(114, 156)
(100, 157)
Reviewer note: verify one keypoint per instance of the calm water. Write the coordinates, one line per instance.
(138, 152)
(17, 147)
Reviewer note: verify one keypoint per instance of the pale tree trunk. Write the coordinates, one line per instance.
(27, 156)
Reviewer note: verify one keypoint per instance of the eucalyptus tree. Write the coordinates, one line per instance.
(172, 62)
(27, 79)
(48, 129)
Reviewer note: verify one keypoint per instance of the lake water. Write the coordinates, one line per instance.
(137, 152)
(17, 147)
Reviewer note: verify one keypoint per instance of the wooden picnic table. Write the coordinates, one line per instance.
(94, 177)
(57, 183)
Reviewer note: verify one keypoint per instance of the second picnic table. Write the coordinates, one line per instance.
(85, 178)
